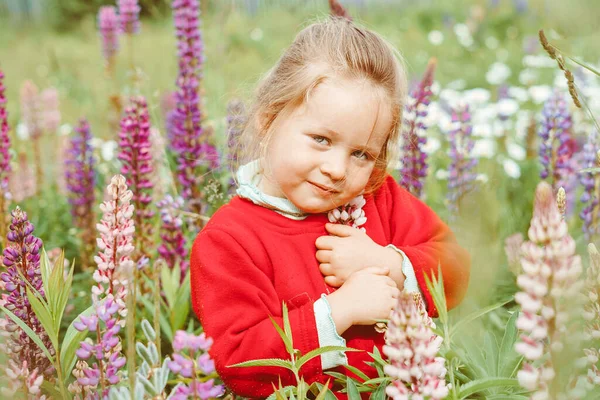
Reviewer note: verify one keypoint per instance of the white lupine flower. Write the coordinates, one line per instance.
(435, 37)
(350, 214)
(412, 347)
(548, 260)
(498, 73)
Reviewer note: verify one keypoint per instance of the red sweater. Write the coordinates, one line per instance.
(249, 259)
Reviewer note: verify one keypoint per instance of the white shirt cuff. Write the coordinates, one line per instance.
(328, 335)
(410, 284)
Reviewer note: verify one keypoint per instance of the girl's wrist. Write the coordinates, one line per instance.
(339, 312)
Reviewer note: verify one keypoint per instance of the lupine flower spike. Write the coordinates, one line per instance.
(188, 139)
(461, 177)
(173, 249)
(109, 30)
(591, 187)
(81, 179)
(27, 365)
(22, 183)
(350, 214)
(592, 316)
(50, 107)
(550, 287)
(137, 167)
(193, 364)
(109, 295)
(5, 168)
(413, 170)
(412, 348)
(556, 142)
(32, 117)
(129, 14)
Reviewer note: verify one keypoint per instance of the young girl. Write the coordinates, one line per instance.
(322, 132)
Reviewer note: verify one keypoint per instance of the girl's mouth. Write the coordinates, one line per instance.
(323, 189)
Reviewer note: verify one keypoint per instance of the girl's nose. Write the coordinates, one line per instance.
(334, 166)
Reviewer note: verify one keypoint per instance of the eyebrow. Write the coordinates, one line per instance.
(367, 149)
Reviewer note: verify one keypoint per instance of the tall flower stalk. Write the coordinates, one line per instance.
(173, 248)
(109, 295)
(549, 286)
(189, 141)
(28, 366)
(556, 143)
(31, 114)
(461, 177)
(109, 30)
(592, 316)
(80, 180)
(412, 348)
(413, 170)
(129, 18)
(591, 187)
(5, 167)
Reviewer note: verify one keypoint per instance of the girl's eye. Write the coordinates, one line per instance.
(361, 155)
(320, 139)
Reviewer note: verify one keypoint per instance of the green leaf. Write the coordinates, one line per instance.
(318, 351)
(374, 381)
(63, 297)
(56, 284)
(181, 309)
(49, 389)
(267, 362)
(288, 344)
(379, 394)
(282, 391)
(491, 353)
(507, 353)
(436, 288)
(71, 342)
(324, 393)
(32, 335)
(480, 385)
(41, 311)
(337, 375)
(286, 325)
(357, 372)
(507, 397)
(476, 314)
(170, 284)
(353, 393)
(45, 268)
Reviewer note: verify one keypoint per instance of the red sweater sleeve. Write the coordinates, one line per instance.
(427, 241)
(233, 295)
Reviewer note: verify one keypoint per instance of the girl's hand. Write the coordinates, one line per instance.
(367, 295)
(347, 250)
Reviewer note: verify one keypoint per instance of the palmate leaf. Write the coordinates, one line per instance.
(508, 358)
(480, 385)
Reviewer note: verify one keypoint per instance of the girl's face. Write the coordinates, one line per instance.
(322, 154)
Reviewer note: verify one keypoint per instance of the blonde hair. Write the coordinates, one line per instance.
(332, 48)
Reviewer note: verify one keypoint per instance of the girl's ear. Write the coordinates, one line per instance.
(261, 122)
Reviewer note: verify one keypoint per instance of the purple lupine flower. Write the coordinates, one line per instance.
(191, 361)
(80, 181)
(591, 184)
(173, 249)
(461, 177)
(414, 159)
(557, 144)
(21, 257)
(5, 168)
(549, 284)
(109, 30)
(188, 139)
(137, 166)
(412, 348)
(129, 14)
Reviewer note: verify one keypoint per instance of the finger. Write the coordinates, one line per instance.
(340, 230)
(376, 270)
(324, 256)
(326, 269)
(333, 281)
(325, 242)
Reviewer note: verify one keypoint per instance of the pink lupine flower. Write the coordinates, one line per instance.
(173, 248)
(412, 348)
(22, 183)
(5, 168)
(108, 27)
(350, 214)
(109, 296)
(549, 284)
(50, 108)
(137, 166)
(129, 12)
(592, 315)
